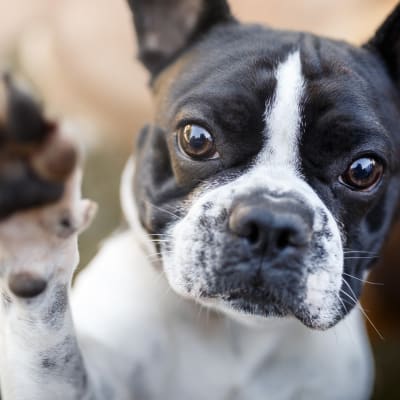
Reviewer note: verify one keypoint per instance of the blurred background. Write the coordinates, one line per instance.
(79, 55)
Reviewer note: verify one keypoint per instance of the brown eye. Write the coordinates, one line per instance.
(363, 174)
(197, 142)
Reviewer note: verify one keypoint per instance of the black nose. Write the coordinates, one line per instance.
(272, 226)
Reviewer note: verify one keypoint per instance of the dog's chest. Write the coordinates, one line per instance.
(195, 357)
(216, 357)
(170, 348)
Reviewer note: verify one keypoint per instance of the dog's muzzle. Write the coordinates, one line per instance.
(274, 231)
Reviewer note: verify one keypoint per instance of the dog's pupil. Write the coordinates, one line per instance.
(364, 172)
(197, 141)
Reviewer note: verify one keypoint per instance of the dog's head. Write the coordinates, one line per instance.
(270, 175)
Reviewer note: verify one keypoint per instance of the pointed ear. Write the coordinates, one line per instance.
(387, 43)
(166, 27)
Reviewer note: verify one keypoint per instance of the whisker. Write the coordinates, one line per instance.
(370, 321)
(351, 290)
(341, 300)
(160, 234)
(154, 256)
(359, 251)
(360, 307)
(355, 301)
(364, 280)
(162, 209)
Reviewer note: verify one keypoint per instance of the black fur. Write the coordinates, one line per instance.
(386, 43)
(168, 19)
(351, 108)
(24, 130)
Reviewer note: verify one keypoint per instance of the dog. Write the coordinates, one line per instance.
(255, 200)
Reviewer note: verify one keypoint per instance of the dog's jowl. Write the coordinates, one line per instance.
(256, 197)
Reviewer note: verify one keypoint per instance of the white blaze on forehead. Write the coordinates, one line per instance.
(283, 117)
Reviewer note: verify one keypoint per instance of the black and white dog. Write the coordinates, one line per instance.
(268, 177)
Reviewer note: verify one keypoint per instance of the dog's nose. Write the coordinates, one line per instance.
(272, 226)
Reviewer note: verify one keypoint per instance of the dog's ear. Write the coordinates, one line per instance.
(387, 43)
(166, 27)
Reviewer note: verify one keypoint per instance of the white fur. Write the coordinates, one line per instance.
(283, 117)
(179, 345)
(35, 242)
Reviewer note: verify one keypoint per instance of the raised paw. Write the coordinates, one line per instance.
(35, 160)
(41, 210)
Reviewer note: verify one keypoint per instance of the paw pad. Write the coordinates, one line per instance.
(26, 285)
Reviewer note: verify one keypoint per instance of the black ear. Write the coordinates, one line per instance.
(166, 27)
(387, 43)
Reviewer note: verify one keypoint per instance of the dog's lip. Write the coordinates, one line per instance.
(250, 294)
(242, 298)
(254, 296)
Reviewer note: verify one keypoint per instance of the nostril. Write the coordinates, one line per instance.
(271, 230)
(252, 233)
(284, 239)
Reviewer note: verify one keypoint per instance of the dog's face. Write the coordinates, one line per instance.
(271, 172)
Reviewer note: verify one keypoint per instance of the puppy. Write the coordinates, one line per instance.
(259, 194)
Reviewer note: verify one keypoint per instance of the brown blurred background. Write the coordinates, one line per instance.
(79, 56)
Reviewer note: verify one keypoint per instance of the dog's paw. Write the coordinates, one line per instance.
(35, 160)
(41, 210)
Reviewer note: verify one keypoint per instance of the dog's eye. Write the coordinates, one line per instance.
(197, 142)
(363, 173)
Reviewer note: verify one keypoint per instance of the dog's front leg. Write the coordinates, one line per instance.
(41, 358)
(41, 215)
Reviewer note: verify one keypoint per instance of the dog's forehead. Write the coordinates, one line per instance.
(239, 64)
(245, 54)
(231, 79)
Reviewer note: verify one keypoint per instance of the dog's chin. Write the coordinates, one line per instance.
(259, 307)
(279, 293)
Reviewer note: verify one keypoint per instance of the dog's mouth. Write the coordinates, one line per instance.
(266, 302)
(253, 287)
(259, 301)
(256, 295)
